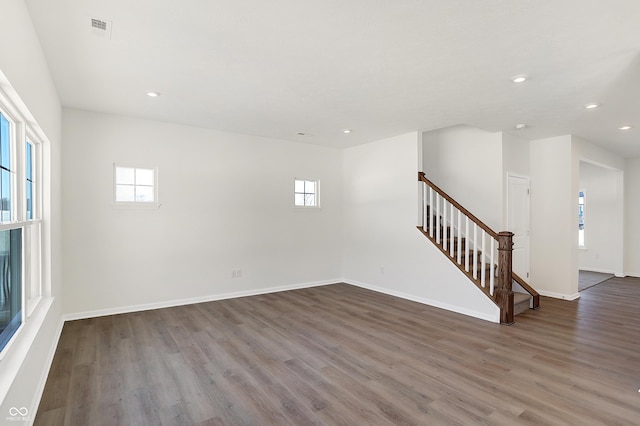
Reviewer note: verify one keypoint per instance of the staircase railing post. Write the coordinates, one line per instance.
(504, 293)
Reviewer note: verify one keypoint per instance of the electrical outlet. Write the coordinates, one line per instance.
(236, 273)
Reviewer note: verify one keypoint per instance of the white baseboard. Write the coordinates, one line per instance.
(191, 301)
(602, 271)
(435, 303)
(559, 295)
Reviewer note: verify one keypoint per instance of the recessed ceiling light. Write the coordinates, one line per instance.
(592, 105)
(521, 126)
(624, 128)
(519, 79)
(153, 94)
(346, 131)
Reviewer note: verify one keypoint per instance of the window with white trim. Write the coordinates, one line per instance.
(135, 185)
(581, 203)
(306, 193)
(20, 223)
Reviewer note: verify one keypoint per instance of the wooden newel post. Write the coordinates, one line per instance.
(504, 293)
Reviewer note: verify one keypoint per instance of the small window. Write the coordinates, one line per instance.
(135, 185)
(306, 193)
(581, 199)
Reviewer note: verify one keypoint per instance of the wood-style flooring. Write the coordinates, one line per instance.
(342, 355)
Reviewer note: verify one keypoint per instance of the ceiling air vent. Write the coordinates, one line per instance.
(99, 24)
(101, 28)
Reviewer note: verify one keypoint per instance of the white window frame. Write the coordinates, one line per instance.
(155, 204)
(316, 194)
(35, 175)
(583, 240)
(31, 285)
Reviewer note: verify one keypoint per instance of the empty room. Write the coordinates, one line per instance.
(338, 213)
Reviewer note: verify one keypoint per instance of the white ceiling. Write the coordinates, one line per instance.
(381, 68)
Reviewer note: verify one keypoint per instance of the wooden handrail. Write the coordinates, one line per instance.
(503, 296)
(466, 212)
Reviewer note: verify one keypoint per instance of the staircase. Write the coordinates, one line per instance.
(482, 254)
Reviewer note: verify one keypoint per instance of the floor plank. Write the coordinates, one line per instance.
(342, 355)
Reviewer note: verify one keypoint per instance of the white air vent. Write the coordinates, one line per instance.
(97, 23)
(101, 28)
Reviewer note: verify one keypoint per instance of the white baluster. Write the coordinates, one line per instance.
(444, 224)
(431, 212)
(425, 190)
(437, 218)
(467, 245)
(475, 251)
(483, 271)
(453, 232)
(459, 237)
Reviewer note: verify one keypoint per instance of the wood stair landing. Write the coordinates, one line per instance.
(521, 302)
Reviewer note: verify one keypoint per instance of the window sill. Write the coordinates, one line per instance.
(307, 209)
(137, 206)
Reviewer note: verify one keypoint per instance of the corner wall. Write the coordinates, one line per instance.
(632, 224)
(466, 163)
(226, 204)
(554, 219)
(603, 251)
(383, 250)
(28, 82)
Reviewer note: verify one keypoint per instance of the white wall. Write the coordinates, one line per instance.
(515, 155)
(466, 163)
(26, 79)
(226, 203)
(632, 224)
(554, 219)
(586, 152)
(603, 219)
(383, 250)
(515, 161)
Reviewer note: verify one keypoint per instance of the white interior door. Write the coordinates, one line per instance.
(518, 222)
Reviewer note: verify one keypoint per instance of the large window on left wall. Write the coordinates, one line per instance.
(20, 224)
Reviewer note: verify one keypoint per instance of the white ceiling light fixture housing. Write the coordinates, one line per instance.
(519, 78)
(627, 127)
(346, 131)
(521, 126)
(592, 105)
(153, 94)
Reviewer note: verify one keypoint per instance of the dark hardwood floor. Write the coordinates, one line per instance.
(341, 355)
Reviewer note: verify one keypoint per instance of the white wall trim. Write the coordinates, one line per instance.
(425, 301)
(190, 301)
(20, 345)
(47, 368)
(602, 271)
(559, 295)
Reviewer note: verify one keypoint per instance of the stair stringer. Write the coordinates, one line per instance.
(455, 291)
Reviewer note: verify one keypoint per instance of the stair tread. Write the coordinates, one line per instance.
(520, 297)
